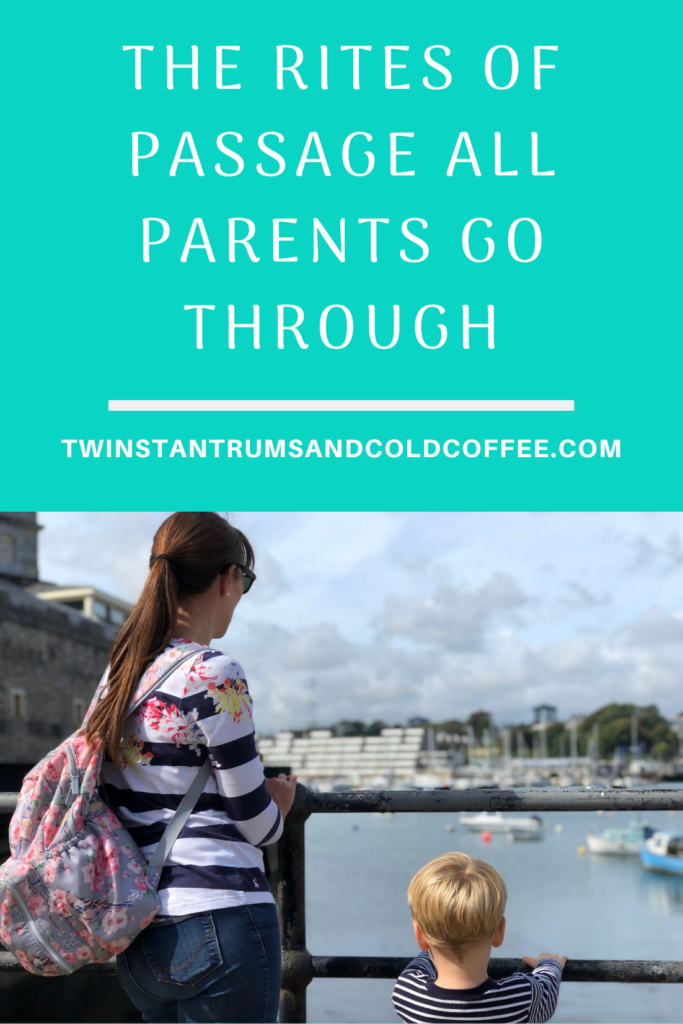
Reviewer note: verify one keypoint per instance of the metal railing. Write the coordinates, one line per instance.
(299, 967)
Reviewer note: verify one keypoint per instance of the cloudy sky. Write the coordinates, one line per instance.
(389, 615)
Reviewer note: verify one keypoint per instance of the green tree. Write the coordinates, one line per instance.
(614, 722)
(479, 720)
(453, 725)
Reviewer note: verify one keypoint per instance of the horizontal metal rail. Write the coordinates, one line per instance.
(401, 801)
(552, 799)
(299, 967)
(639, 972)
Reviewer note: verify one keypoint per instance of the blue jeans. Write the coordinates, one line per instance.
(219, 965)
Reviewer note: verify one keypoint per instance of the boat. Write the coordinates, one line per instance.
(620, 842)
(490, 821)
(663, 852)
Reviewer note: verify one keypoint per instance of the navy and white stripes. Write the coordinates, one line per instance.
(203, 709)
(529, 998)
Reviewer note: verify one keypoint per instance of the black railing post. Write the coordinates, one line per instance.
(297, 971)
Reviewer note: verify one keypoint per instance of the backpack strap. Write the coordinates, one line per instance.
(133, 707)
(162, 679)
(189, 801)
(177, 822)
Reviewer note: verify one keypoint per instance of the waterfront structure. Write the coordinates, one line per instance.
(676, 723)
(19, 547)
(396, 757)
(52, 652)
(545, 714)
(92, 603)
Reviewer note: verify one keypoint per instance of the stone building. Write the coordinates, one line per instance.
(52, 654)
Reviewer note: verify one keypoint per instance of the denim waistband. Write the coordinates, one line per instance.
(164, 919)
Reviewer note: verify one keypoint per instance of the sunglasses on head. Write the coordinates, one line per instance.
(248, 576)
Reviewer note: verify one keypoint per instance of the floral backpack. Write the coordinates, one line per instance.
(76, 887)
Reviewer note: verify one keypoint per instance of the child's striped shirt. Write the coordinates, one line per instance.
(529, 998)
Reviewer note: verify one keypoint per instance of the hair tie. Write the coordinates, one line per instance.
(155, 557)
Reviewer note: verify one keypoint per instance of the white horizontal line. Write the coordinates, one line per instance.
(341, 405)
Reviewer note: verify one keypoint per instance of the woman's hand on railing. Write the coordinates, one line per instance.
(282, 790)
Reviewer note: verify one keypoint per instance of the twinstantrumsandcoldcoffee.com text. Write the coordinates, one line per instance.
(340, 448)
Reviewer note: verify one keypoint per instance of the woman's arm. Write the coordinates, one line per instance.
(225, 718)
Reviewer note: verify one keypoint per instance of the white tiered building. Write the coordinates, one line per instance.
(395, 758)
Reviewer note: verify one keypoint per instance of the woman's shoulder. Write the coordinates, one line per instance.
(211, 666)
(218, 678)
(187, 666)
(219, 664)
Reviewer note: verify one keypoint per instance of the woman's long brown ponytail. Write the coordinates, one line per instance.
(189, 550)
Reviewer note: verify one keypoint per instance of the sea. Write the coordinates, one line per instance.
(560, 900)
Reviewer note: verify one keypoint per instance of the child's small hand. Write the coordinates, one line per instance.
(532, 961)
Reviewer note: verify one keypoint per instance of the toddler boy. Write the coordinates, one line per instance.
(458, 903)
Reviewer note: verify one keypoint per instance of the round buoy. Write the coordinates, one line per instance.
(450, 828)
(600, 813)
(672, 814)
(582, 850)
(559, 828)
(486, 837)
(511, 837)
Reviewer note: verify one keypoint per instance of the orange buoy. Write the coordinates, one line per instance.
(486, 837)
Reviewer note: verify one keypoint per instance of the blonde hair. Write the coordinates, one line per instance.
(457, 901)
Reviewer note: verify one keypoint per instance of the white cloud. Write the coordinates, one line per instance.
(390, 615)
(508, 676)
(655, 628)
(318, 647)
(454, 616)
(667, 556)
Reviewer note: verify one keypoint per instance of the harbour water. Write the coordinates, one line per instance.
(592, 907)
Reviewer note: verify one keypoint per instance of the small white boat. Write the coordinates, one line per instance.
(620, 842)
(490, 821)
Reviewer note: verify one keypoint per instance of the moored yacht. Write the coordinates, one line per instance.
(494, 821)
(663, 852)
(620, 842)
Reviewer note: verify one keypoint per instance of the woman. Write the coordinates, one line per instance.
(213, 952)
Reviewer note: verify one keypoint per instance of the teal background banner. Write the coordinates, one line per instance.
(593, 320)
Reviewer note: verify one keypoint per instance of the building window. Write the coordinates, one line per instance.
(116, 616)
(17, 703)
(7, 548)
(100, 609)
(79, 709)
(77, 605)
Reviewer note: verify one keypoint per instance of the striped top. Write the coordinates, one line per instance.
(203, 707)
(521, 997)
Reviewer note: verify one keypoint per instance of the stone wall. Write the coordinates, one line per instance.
(54, 656)
(23, 529)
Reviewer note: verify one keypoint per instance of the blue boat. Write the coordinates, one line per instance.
(663, 852)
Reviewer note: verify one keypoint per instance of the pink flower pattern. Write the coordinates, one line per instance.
(114, 921)
(118, 945)
(37, 904)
